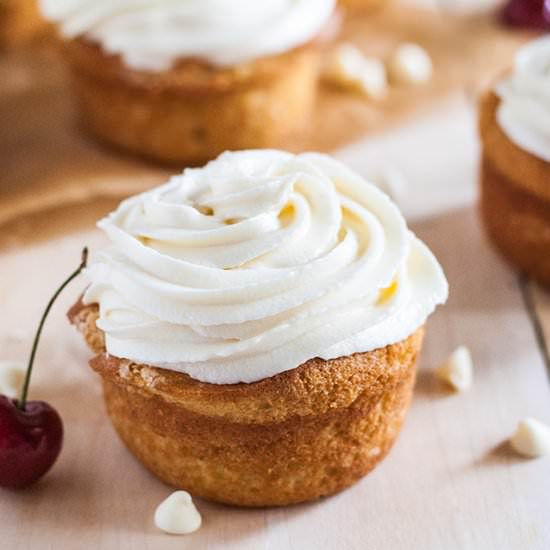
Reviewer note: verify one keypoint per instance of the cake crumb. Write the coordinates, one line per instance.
(375, 451)
(531, 438)
(148, 376)
(457, 371)
(177, 515)
(124, 370)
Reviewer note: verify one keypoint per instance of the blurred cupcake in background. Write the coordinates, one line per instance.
(363, 5)
(515, 174)
(181, 81)
(20, 21)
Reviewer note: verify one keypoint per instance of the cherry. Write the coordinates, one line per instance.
(527, 13)
(30, 441)
(31, 432)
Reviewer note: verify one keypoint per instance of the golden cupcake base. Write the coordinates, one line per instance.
(363, 5)
(20, 22)
(515, 198)
(298, 436)
(194, 112)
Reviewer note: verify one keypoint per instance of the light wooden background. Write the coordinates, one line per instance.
(451, 481)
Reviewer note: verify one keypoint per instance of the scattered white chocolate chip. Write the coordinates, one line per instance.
(531, 438)
(349, 68)
(410, 64)
(177, 514)
(12, 375)
(457, 371)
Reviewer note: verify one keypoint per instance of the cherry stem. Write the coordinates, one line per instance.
(23, 400)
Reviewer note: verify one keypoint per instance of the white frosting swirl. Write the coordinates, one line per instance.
(256, 263)
(152, 34)
(524, 111)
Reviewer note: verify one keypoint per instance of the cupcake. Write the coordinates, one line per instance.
(181, 82)
(20, 21)
(256, 325)
(362, 5)
(515, 172)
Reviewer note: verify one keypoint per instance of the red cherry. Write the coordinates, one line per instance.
(527, 13)
(31, 432)
(30, 441)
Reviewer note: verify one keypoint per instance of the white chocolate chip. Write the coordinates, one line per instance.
(457, 371)
(531, 438)
(372, 79)
(410, 64)
(12, 376)
(349, 68)
(177, 514)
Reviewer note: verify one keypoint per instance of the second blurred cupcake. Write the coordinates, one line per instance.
(181, 81)
(515, 174)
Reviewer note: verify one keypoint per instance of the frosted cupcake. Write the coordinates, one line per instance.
(182, 81)
(256, 324)
(515, 174)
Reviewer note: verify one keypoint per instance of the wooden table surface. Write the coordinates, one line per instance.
(451, 481)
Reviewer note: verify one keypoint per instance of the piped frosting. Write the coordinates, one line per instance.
(256, 263)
